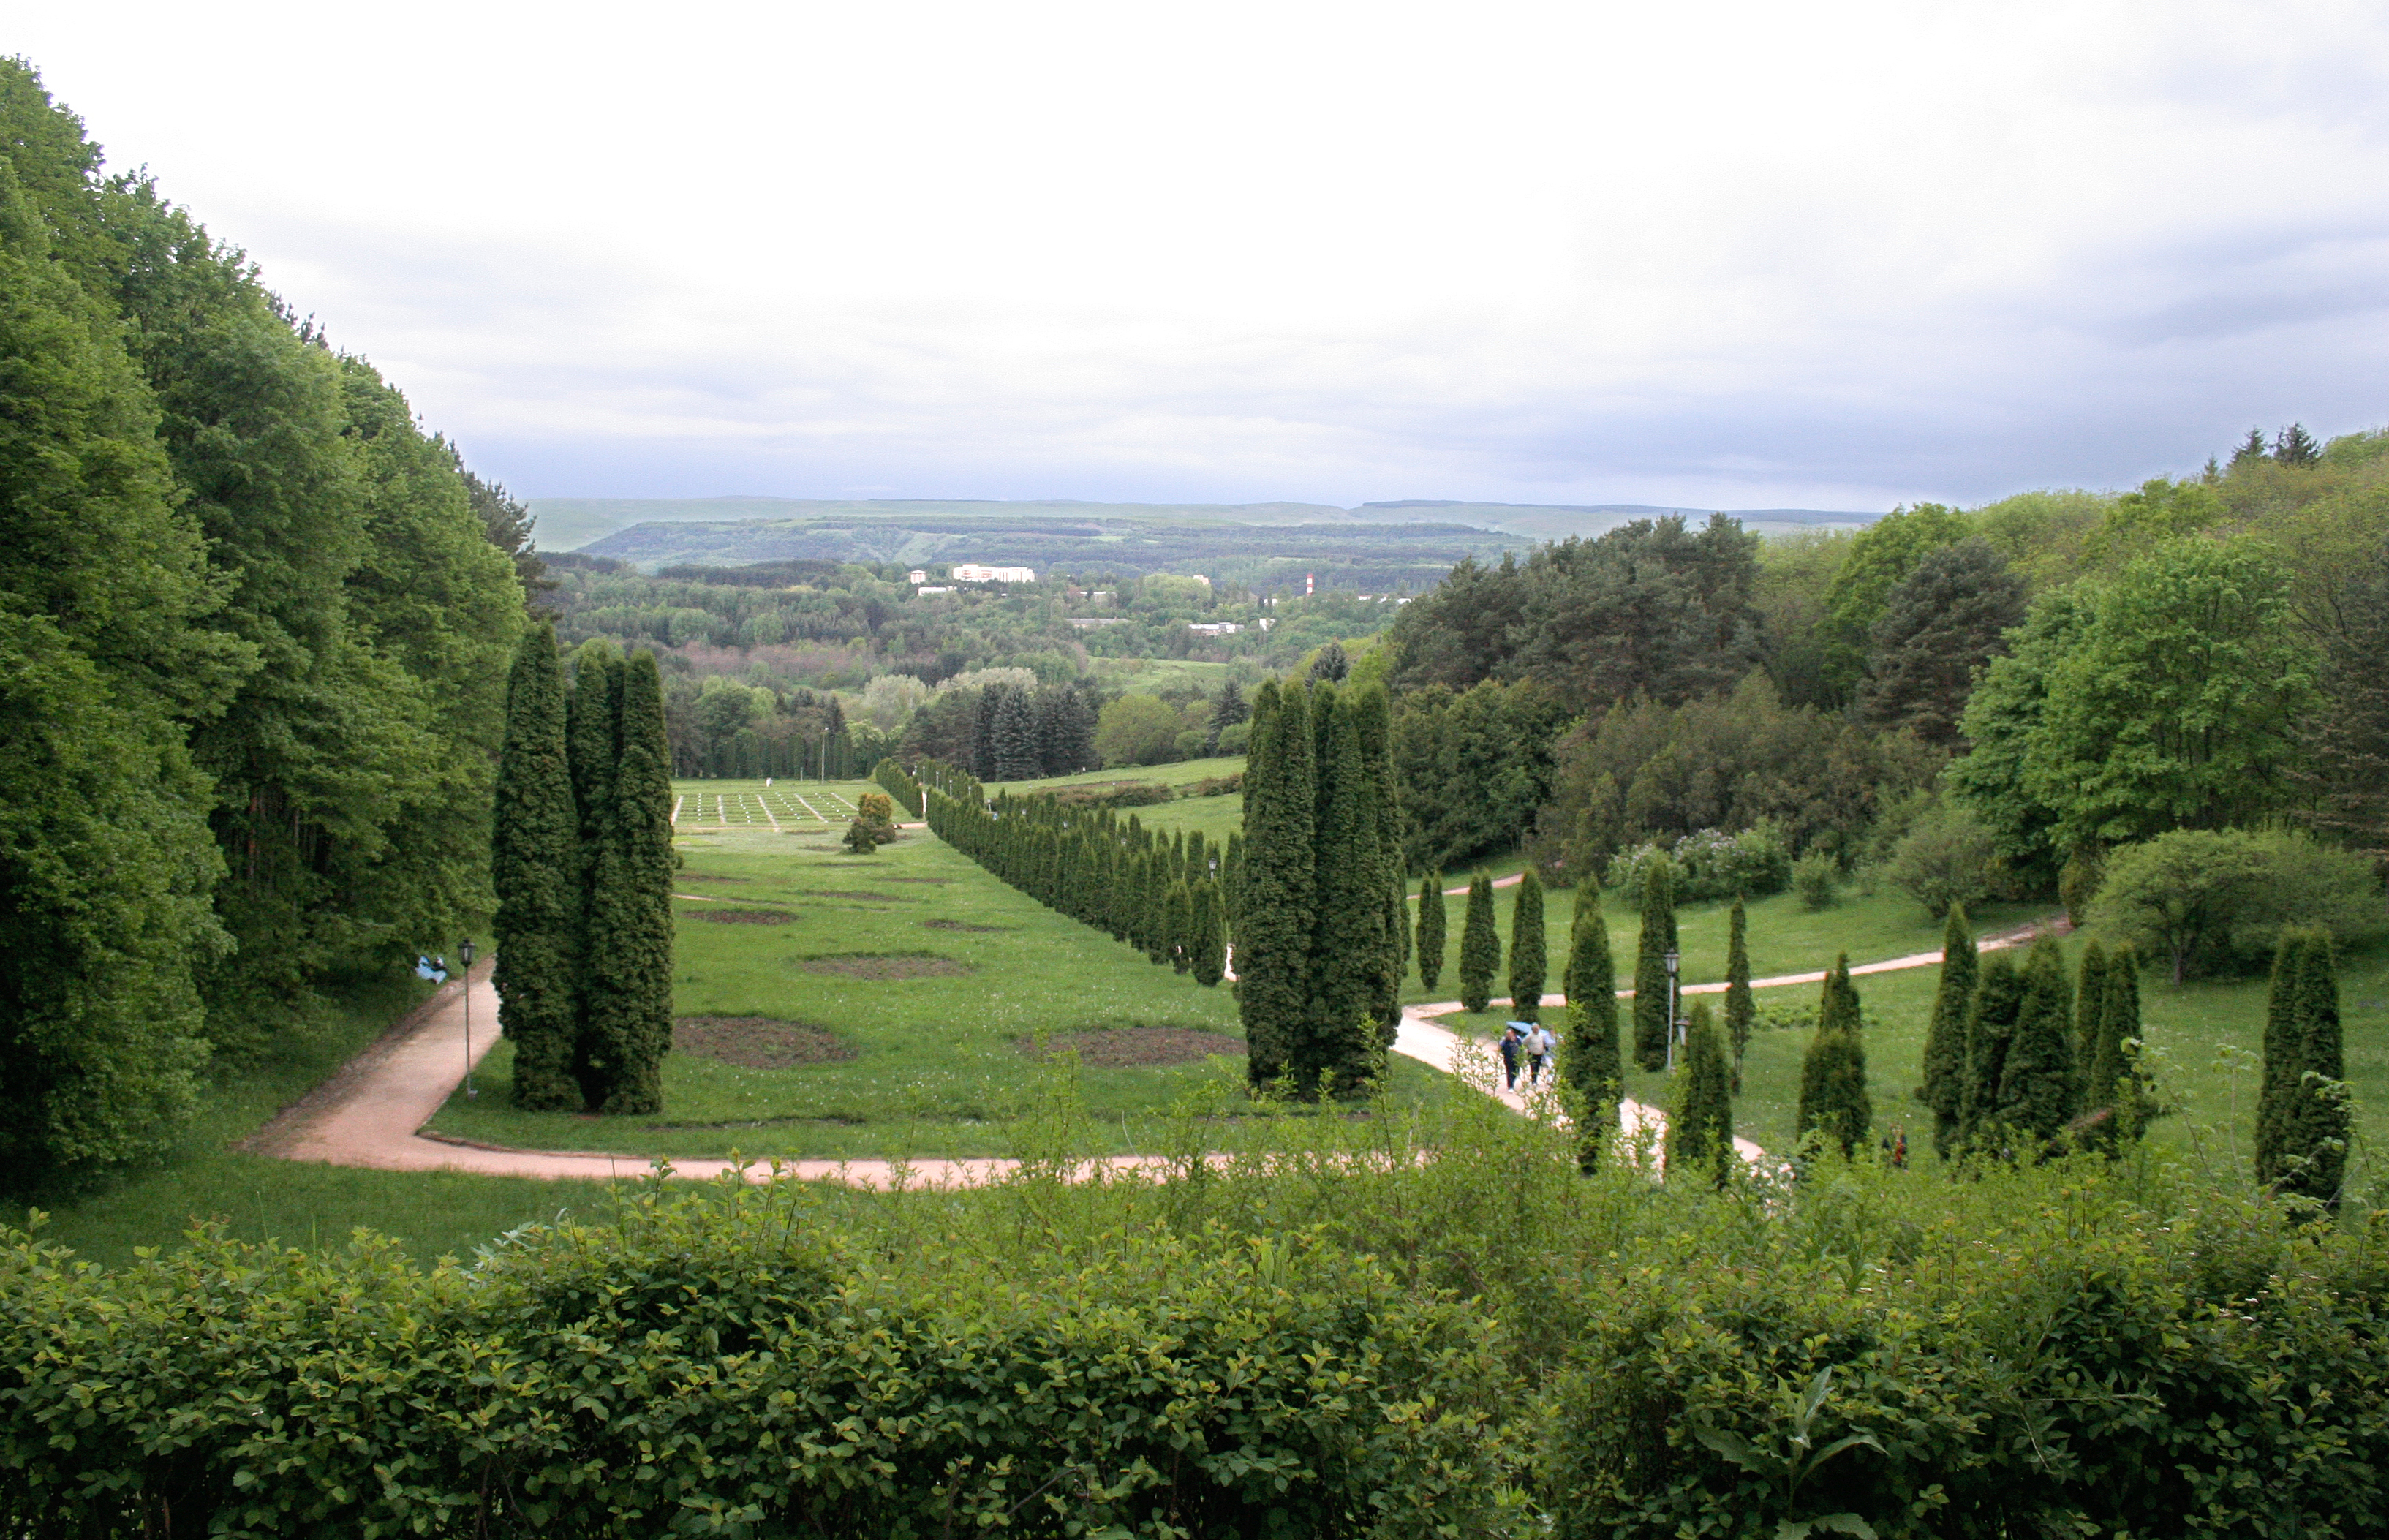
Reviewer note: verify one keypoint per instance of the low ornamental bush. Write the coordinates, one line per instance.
(1711, 864)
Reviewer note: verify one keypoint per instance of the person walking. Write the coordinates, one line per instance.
(1509, 1056)
(1540, 1043)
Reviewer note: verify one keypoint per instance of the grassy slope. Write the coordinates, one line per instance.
(261, 1198)
(938, 1069)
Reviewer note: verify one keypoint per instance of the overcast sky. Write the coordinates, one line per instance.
(1832, 255)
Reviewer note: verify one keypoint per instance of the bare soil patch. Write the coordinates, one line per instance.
(711, 877)
(960, 925)
(888, 965)
(1138, 1047)
(916, 879)
(744, 916)
(860, 898)
(758, 1042)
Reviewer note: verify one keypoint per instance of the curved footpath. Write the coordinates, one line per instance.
(371, 1113)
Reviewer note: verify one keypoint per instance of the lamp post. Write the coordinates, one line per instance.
(465, 951)
(1672, 959)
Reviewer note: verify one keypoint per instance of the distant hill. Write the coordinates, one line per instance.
(577, 523)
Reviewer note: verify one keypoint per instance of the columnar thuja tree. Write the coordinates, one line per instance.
(534, 861)
(1700, 1127)
(1944, 1034)
(1651, 1001)
(629, 962)
(1347, 940)
(1372, 720)
(2090, 1003)
(1526, 950)
(2114, 1087)
(1590, 1062)
(1431, 923)
(1480, 945)
(1275, 891)
(2303, 1117)
(1740, 1010)
(2041, 1084)
(583, 859)
(1834, 1099)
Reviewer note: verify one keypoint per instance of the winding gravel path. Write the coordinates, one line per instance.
(372, 1112)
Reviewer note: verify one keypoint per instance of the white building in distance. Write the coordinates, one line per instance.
(1213, 627)
(971, 572)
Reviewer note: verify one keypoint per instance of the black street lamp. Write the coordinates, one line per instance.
(1673, 960)
(465, 951)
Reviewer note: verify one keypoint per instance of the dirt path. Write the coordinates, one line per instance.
(371, 1112)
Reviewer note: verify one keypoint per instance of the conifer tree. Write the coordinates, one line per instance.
(1210, 935)
(1161, 937)
(1232, 876)
(593, 729)
(534, 867)
(1991, 1026)
(1480, 945)
(1652, 1026)
(1834, 1094)
(2089, 1003)
(2113, 1085)
(1590, 1059)
(630, 1015)
(2320, 1121)
(1700, 1129)
(1431, 922)
(1372, 724)
(1339, 1052)
(1181, 925)
(1741, 1009)
(1527, 964)
(1944, 1090)
(2041, 1085)
(2283, 1062)
(1274, 888)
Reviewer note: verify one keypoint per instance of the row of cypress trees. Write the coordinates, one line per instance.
(2025, 1054)
(1164, 895)
(582, 861)
(1480, 944)
(2303, 1117)
(1321, 926)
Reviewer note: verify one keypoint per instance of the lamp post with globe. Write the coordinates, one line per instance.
(465, 951)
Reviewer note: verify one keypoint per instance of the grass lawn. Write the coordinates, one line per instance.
(262, 1198)
(918, 983)
(1185, 772)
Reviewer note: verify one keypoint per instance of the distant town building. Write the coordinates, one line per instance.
(1213, 627)
(971, 572)
(934, 588)
(1310, 585)
(1091, 622)
(916, 576)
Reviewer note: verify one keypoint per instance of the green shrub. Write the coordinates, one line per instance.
(1947, 858)
(2212, 899)
(1711, 864)
(1817, 878)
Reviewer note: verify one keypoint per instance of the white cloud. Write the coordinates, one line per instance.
(1742, 254)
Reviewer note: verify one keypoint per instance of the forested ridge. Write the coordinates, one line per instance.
(255, 625)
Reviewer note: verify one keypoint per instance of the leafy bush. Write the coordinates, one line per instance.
(2215, 899)
(1711, 864)
(1817, 878)
(1235, 738)
(1947, 857)
(1114, 793)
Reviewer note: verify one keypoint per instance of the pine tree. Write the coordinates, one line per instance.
(2041, 1085)
(1011, 738)
(1741, 1009)
(2319, 1120)
(1527, 964)
(1210, 935)
(534, 866)
(630, 1016)
(1944, 1090)
(1652, 1026)
(1833, 1096)
(1990, 1028)
(1700, 1129)
(2295, 446)
(2089, 1003)
(1589, 1061)
(1179, 908)
(2251, 448)
(2284, 1050)
(1230, 710)
(1274, 889)
(1480, 945)
(1431, 922)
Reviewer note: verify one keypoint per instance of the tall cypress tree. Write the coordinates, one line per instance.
(1346, 946)
(1990, 1028)
(1480, 945)
(534, 867)
(1210, 934)
(2041, 1085)
(1834, 1094)
(2113, 1085)
(1741, 1009)
(2319, 1120)
(2284, 1053)
(1651, 1002)
(1700, 1127)
(1945, 1035)
(1274, 906)
(1589, 1061)
(1528, 961)
(1372, 722)
(1231, 877)
(594, 730)
(2090, 1003)
(1431, 922)
(1178, 906)
(630, 1016)
(1160, 937)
